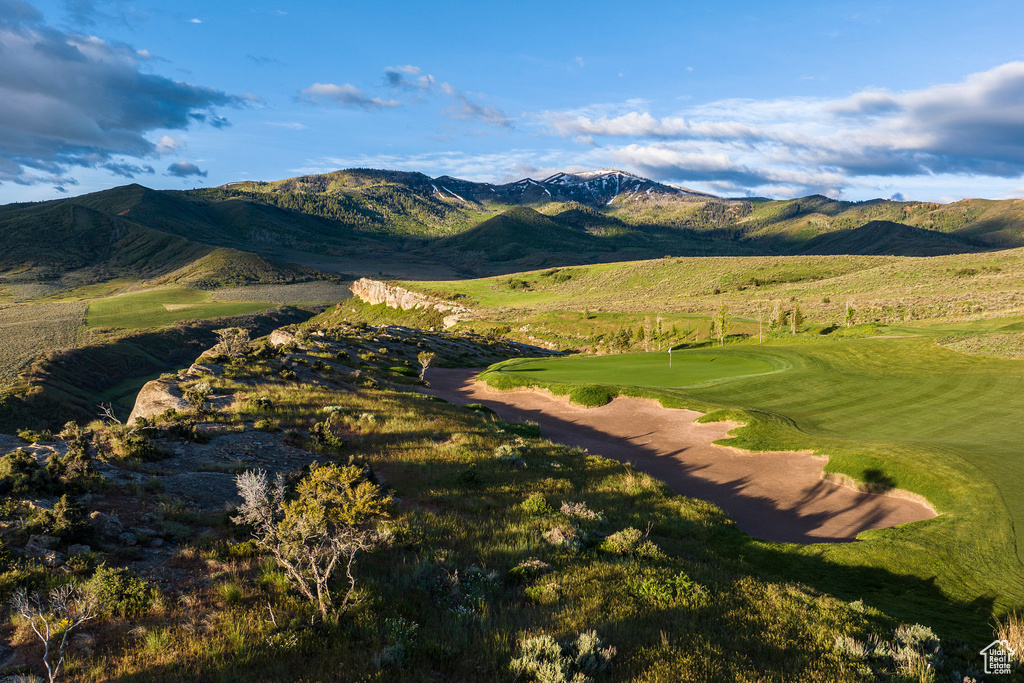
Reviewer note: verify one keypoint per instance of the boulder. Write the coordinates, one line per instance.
(42, 547)
(82, 641)
(156, 397)
(38, 542)
(198, 369)
(107, 525)
(281, 338)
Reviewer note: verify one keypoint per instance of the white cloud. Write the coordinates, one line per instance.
(167, 144)
(345, 95)
(971, 128)
(290, 125)
(195, 21)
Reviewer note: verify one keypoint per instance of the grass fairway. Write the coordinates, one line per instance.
(649, 369)
(161, 307)
(900, 412)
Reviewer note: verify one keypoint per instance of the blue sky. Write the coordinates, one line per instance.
(851, 99)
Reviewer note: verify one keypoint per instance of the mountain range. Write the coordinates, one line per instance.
(397, 223)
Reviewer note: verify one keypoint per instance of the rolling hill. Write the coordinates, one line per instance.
(885, 238)
(401, 224)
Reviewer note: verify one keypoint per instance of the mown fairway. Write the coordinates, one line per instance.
(649, 369)
(163, 307)
(899, 412)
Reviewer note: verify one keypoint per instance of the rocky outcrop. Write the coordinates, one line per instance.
(156, 397)
(376, 292)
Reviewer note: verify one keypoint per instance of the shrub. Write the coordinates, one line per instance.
(508, 454)
(139, 448)
(545, 594)
(29, 436)
(527, 569)
(546, 660)
(517, 283)
(197, 395)
(21, 474)
(266, 425)
(632, 542)
(568, 536)
(663, 590)
(259, 404)
(469, 476)
(68, 521)
(536, 505)
(581, 511)
(317, 531)
(230, 592)
(121, 593)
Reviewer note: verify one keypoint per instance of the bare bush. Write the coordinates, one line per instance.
(234, 342)
(55, 615)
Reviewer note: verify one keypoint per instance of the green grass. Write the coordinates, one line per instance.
(647, 369)
(934, 422)
(161, 307)
(880, 288)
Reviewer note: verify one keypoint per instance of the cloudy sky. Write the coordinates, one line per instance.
(923, 100)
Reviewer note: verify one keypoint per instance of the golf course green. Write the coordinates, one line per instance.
(900, 412)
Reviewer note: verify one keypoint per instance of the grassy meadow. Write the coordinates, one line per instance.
(900, 411)
(159, 307)
(880, 288)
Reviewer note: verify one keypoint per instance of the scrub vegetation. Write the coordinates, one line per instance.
(485, 552)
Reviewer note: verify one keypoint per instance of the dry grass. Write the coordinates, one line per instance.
(1004, 345)
(28, 330)
(302, 292)
(1011, 629)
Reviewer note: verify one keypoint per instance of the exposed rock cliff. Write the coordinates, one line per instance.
(377, 292)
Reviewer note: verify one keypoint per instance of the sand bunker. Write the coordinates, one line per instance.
(178, 307)
(777, 496)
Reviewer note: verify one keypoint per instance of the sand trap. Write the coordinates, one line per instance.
(777, 496)
(178, 307)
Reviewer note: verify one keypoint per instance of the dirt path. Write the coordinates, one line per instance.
(777, 496)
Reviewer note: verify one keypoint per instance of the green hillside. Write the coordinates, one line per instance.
(886, 237)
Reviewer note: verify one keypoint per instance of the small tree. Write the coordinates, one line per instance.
(59, 614)
(760, 322)
(798, 318)
(723, 323)
(425, 358)
(316, 533)
(778, 317)
(850, 312)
